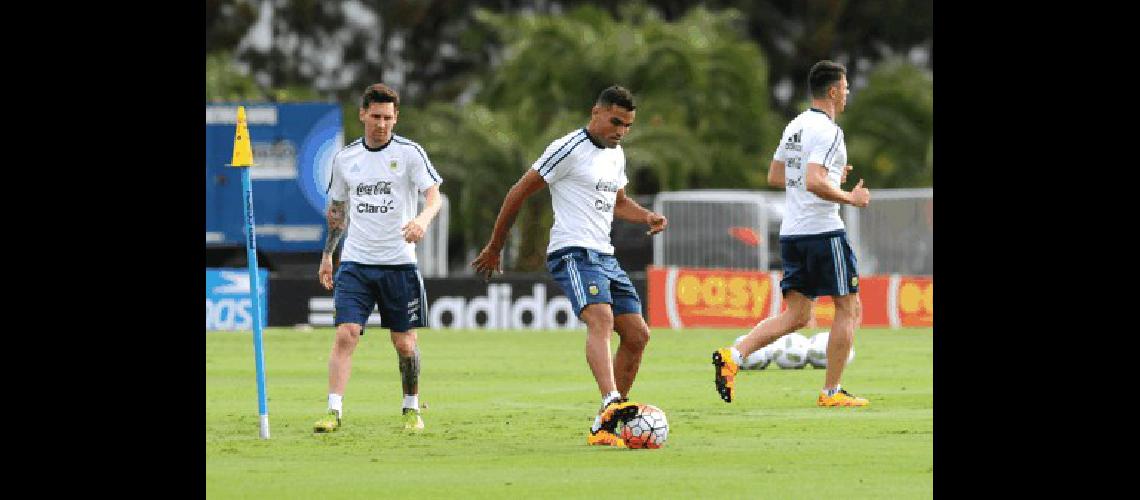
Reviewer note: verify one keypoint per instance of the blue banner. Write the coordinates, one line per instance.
(228, 306)
(293, 146)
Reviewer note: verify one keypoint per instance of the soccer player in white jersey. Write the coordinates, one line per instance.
(585, 170)
(373, 191)
(811, 163)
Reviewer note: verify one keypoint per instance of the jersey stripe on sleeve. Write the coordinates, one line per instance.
(555, 153)
(564, 155)
(832, 149)
(427, 165)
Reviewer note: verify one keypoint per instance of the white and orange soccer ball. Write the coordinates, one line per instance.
(649, 429)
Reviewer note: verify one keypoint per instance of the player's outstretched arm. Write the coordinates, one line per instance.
(627, 209)
(415, 229)
(776, 174)
(816, 182)
(336, 222)
(488, 261)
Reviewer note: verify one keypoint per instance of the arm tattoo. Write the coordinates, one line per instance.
(410, 372)
(336, 225)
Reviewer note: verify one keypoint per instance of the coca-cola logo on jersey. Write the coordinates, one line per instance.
(381, 187)
(607, 185)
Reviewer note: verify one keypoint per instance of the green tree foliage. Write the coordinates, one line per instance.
(226, 83)
(794, 34)
(889, 127)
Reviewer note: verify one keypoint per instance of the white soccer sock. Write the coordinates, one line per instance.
(412, 401)
(609, 398)
(736, 357)
(335, 403)
(831, 392)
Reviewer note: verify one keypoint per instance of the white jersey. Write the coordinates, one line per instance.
(584, 178)
(381, 187)
(810, 138)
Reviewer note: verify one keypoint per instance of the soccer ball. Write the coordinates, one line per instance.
(758, 360)
(648, 429)
(817, 351)
(793, 351)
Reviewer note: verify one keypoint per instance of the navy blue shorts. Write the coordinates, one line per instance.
(397, 291)
(590, 277)
(818, 264)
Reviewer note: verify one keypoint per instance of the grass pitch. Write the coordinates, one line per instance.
(508, 413)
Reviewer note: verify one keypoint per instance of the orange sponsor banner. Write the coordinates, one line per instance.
(873, 295)
(873, 292)
(916, 301)
(680, 297)
(695, 297)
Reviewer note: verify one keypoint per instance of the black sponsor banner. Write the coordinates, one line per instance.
(289, 303)
(520, 301)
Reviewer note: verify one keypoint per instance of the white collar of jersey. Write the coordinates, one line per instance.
(817, 110)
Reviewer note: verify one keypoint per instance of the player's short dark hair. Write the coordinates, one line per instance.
(616, 94)
(822, 76)
(378, 92)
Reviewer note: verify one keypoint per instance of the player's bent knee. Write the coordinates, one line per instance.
(635, 338)
(801, 322)
(800, 317)
(640, 341)
(848, 306)
(347, 336)
(598, 318)
(601, 328)
(404, 342)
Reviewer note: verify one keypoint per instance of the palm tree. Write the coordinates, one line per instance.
(889, 127)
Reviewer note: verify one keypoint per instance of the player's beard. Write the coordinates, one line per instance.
(380, 138)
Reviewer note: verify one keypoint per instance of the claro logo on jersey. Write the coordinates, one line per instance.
(368, 208)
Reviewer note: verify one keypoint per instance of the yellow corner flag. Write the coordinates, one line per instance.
(243, 152)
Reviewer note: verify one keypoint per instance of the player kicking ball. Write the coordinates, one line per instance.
(585, 170)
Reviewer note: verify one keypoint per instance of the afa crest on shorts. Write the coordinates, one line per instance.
(593, 289)
(854, 281)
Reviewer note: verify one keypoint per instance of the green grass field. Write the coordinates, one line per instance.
(508, 412)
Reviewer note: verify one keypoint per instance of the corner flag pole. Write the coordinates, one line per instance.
(243, 158)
